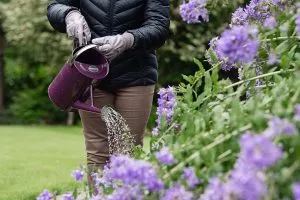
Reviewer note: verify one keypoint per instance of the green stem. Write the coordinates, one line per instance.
(281, 38)
(180, 165)
(260, 76)
(207, 71)
(165, 132)
(226, 137)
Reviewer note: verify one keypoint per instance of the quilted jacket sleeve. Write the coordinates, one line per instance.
(155, 29)
(57, 11)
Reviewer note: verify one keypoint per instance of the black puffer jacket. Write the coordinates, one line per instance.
(147, 20)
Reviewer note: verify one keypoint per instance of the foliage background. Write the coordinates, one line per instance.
(35, 52)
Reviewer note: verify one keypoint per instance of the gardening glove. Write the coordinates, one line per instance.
(112, 46)
(77, 27)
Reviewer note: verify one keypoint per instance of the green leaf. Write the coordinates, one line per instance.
(208, 84)
(199, 64)
(284, 62)
(187, 78)
(215, 79)
(213, 55)
(282, 47)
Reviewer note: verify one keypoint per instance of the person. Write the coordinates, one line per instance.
(128, 33)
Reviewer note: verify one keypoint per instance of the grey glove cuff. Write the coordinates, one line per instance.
(128, 40)
(71, 13)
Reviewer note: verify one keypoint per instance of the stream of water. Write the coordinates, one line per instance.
(120, 139)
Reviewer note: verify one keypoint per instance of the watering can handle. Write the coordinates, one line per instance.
(83, 49)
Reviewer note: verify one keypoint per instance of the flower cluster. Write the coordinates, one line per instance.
(194, 11)
(270, 22)
(258, 152)
(166, 105)
(296, 191)
(237, 46)
(126, 192)
(298, 24)
(246, 182)
(257, 11)
(78, 175)
(67, 196)
(132, 172)
(45, 195)
(165, 157)
(297, 113)
(190, 176)
(239, 17)
(278, 126)
(272, 59)
(177, 191)
(214, 191)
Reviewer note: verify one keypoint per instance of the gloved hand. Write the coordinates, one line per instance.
(112, 46)
(77, 27)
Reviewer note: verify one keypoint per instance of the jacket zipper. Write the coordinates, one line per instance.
(111, 9)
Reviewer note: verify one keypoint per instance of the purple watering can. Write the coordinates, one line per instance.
(73, 84)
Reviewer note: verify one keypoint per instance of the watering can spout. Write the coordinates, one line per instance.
(82, 106)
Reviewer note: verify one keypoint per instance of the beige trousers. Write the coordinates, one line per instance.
(133, 103)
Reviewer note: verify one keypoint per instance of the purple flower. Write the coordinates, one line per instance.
(214, 191)
(132, 172)
(296, 190)
(78, 175)
(68, 196)
(281, 3)
(259, 151)
(194, 11)
(258, 10)
(270, 22)
(272, 59)
(177, 191)
(190, 176)
(96, 179)
(297, 113)
(165, 156)
(237, 46)
(126, 193)
(213, 45)
(277, 126)
(298, 24)
(166, 105)
(246, 182)
(45, 195)
(239, 17)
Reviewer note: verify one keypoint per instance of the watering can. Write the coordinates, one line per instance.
(74, 83)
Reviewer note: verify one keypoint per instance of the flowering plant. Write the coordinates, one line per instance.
(217, 140)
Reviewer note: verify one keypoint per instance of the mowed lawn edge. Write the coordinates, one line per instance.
(37, 157)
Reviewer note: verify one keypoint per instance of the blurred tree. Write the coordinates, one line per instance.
(29, 33)
(34, 55)
(2, 77)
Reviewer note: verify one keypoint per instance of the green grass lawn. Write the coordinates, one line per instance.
(33, 158)
(36, 157)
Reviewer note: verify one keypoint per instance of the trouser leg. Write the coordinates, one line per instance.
(134, 104)
(95, 132)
